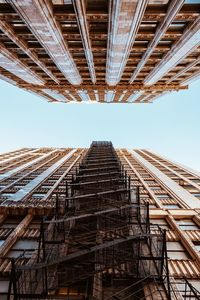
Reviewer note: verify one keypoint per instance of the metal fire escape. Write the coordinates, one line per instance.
(99, 243)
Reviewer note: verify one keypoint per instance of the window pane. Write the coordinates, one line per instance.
(171, 206)
(177, 255)
(175, 246)
(26, 244)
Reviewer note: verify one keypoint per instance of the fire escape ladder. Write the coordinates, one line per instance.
(99, 243)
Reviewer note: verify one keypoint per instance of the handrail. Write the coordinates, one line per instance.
(193, 289)
(110, 231)
(127, 288)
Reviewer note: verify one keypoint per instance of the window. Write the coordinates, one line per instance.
(38, 196)
(192, 1)
(195, 283)
(23, 246)
(160, 222)
(45, 186)
(197, 181)
(181, 286)
(175, 250)
(197, 245)
(187, 224)
(152, 206)
(179, 25)
(6, 195)
(150, 182)
(10, 223)
(36, 223)
(171, 206)
(163, 197)
(3, 288)
(158, 1)
(155, 188)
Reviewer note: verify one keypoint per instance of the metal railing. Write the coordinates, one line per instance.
(99, 226)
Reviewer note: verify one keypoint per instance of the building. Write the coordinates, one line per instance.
(98, 50)
(98, 223)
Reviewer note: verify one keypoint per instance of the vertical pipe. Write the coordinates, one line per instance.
(138, 195)
(66, 195)
(167, 269)
(12, 282)
(129, 187)
(147, 221)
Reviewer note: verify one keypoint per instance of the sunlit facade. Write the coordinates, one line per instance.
(126, 51)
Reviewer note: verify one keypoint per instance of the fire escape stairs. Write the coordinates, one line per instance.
(98, 241)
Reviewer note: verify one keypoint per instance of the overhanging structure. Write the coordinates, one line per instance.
(119, 51)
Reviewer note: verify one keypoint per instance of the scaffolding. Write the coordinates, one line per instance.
(99, 243)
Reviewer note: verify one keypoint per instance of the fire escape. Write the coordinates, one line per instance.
(99, 243)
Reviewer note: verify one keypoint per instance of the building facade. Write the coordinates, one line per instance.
(98, 50)
(33, 183)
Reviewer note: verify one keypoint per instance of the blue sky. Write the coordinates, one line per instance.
(170, 125)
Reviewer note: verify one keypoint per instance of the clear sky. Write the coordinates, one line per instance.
(170, 126)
